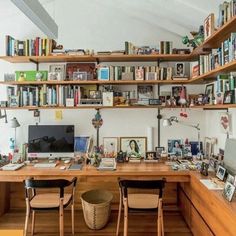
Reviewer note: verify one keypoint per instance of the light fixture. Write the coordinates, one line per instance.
(39, 16)
(14, 124)
(169, 122)
(3, 116)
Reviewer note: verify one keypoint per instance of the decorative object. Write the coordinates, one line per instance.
(151, 157)
(14, 124)
(95, 94)
(57, 72)
(80, 75)
(228, 191)
(70, 102)
(225, 122)
(110, 145)
(107, 99)
(174, 147)
(230, 178)
(159, 151)
(169, 121)
(134, 146)
(103, 73)
(220, 172)
(14, 101)
(229, 97)
(198, 38)
(81, 144)
(209, 26)
(209, 93)
(204, 169)
(179, 69)
(97, 122)
(208, 147)
(177, 93)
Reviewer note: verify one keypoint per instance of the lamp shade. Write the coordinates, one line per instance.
(14, 123)
(166, 122)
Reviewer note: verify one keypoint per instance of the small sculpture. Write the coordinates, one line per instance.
(198, 38)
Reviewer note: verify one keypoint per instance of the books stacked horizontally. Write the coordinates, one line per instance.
(107, 164)
(29, 47)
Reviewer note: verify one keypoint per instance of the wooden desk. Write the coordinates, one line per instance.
(206, 212)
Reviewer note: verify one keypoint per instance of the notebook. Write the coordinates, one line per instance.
(75, 167)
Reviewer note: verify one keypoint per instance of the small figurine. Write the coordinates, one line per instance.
(198, 38)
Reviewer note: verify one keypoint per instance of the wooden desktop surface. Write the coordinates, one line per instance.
(216, 215)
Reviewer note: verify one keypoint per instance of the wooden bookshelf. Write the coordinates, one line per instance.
(215, 40)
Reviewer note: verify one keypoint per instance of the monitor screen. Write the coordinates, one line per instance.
(51, 141)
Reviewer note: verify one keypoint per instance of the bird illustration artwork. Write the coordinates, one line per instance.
(183, 102)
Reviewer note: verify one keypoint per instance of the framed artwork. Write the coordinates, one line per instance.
(225, 122)
(14, 101)
(110, 145)
(209, 26)
(220, 172)
(230, 179)
(90, 68)
(95, 94)
(228, 191)
(228, 97)
(187, 150)
(176, 91)
(208, 147)
(80, 75)
(57, 72)
(179, 69)
(174, 147)
(82, 144)
(134, 146)
(195, 147)
(151, 156)
(209, 90)
(159, 151)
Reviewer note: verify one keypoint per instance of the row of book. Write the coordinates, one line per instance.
(29, 47)
(226, 11)
(220, 56)
(111, 73)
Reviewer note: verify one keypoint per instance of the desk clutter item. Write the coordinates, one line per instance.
(107, 164)
(12, 166)
(75, 167)
(45, 165)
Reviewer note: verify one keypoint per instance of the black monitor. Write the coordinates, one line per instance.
(51, 141)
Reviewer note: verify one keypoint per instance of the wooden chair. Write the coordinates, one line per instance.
(49, 201)
(141, 201)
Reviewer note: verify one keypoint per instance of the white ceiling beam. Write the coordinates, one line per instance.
(39, 16)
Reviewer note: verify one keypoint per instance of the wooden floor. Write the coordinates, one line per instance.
(139, 225)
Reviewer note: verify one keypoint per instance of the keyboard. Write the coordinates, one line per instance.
(12, 166)
(45, 165)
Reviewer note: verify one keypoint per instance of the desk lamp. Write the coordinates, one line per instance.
(169, 122)
(14, 124)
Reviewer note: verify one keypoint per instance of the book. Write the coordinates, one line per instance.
(76, 167)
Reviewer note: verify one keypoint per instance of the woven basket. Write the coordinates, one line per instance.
(96, 207)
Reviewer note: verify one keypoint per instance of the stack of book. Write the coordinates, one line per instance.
(226, 11)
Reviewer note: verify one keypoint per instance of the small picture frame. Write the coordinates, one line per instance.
(95, 94)
(204, 168)
(14, 101)
(57, 72)
(208, 147)
(209, 90)
(110, 145)
(159, 151)
(80, 75)
(81, 144)
(228, 97)
(103, 73)
(209, 26)
(151, 156)
(230, 178)
(220, 174)
(174, 147)
(228, 191)
(179, 69)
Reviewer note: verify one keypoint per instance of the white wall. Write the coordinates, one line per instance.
(105, 25)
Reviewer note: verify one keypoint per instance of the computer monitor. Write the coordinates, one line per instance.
(51, 141)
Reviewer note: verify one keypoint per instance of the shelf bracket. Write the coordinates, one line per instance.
(35, 62)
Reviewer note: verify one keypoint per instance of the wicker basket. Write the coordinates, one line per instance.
(96, 207)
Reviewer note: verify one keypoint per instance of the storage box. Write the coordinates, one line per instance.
(31, 75)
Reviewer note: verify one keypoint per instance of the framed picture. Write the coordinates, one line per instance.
(228, 97)
(57, 72)
(179, 69)
(134, 146)
(208, 147)
(220, 172)
(110, 145)
(107, 99)
(176, 91)
(230, 179)
(228, 191)
(103, 73)
(14, 101)
(82, 144)
(80, 75)
(195, 147)
(209, 90)
(151, 156)
(225, 122)
(174, 147)
(159, 151)
(95, 94)
(187, 150)
(209, 26)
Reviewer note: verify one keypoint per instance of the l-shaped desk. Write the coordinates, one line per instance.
(205, 211)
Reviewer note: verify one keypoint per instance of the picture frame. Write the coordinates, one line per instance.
(209, 26)
(95, 94)
(195, 147)
(176, 91)
(103, 73)
(57, 72)
(179, 69)
(209, 90)
(82, 144)
(225, 122)
(110, 145)
(174, 147)
(208, 147)
(134, 146)
(151, 156)
(80, 75)
(228, 97)
(220, 174)
(230, 178)
(159, 151)
(228, 191)
(107, 99)
(14, 101)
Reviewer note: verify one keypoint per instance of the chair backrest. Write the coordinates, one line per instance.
(50, 183)
(125, 184)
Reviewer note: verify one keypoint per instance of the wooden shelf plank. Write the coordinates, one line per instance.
(215, 40)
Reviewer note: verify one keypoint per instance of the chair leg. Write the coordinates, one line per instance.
(27, 217)
(32, 223)
(125, 217)
(119, 215)
(160, 225)
(61, 218)
(73, 218)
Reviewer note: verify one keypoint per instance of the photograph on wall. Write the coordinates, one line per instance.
(225, 122)
(81, 144)
(134, 146)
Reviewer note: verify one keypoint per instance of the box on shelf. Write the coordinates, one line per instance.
(31, 75)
